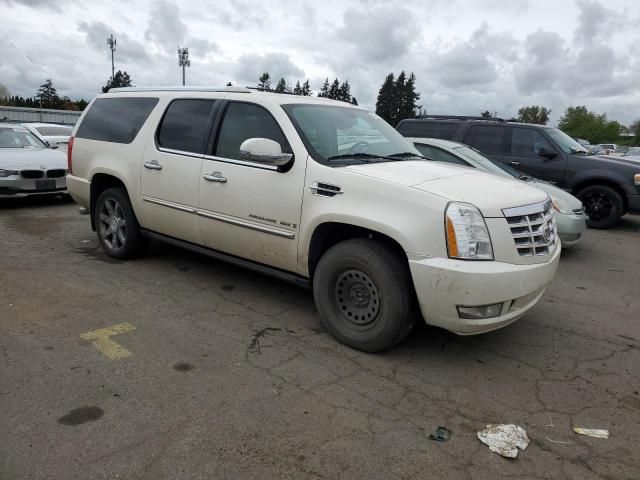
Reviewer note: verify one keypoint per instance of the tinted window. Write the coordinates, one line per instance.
(117, 119)
(439, 155)
(243, 121)
(527, 142)
(185, 125)
(486, 138)
(54, 131)
(443, 130)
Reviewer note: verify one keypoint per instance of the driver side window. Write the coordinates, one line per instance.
(527, 142)
(243, 121)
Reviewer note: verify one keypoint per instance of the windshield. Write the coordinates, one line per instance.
(488, 164)
(19, 138)
(344, 135)
(59, 131)
(635, 151)
(565, 142)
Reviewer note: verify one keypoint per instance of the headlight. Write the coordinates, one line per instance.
(7, 173)
(636, 179)
(559, 206)
(467, 234)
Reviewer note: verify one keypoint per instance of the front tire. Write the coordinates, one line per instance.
(364, 294)
(602, 204)
(117, 226)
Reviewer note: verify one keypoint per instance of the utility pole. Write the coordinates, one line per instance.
(112, 45)
(183, 60)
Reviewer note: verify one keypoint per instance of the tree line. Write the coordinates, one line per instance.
(335, 90)
(46, 97)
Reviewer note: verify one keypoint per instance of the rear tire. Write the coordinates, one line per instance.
(117, 226)
(602, 204)
(364, 294)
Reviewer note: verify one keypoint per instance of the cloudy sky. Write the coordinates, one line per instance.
(468, 55)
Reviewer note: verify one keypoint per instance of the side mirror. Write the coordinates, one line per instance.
(547, 153)
(264, 150)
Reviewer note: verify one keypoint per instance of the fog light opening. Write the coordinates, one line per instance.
(479, 313)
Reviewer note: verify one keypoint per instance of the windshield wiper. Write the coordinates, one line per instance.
(362, 156)
(408, 155)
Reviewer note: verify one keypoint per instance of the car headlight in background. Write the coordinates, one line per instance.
(560, 206)
(636, 179)
(466, 232)
(7, 173)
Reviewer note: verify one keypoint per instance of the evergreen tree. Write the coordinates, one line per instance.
(354, 101)
(324, 91)
(344, 93)
(297, 90)
(264, 82)
(47, 95)
(229, 84)
(384, 103)
(334, 90)
(281, 86)
(408, 106)
(486, 114)
(306, 89)
(120, 80)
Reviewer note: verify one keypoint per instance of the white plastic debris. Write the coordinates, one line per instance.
(592, 432)
(504, 439)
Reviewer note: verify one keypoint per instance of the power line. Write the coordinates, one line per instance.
(183, 61)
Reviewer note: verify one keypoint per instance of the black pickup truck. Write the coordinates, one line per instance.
(609, 187)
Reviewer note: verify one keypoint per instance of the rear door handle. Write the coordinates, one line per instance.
(215, 177)
(153, 165)
(515, 164)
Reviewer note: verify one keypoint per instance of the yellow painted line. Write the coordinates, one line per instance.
(102, 341)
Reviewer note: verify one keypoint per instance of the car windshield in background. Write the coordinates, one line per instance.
(18, 138)
(566, 143)
(493, 166)
(54, 131)
(344, 135)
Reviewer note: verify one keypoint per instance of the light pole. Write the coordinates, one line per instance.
(112, 45)
(183, 60)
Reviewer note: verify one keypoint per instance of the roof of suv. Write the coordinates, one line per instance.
(460, 119)
(281, 98)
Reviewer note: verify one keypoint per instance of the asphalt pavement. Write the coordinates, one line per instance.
(176, 366)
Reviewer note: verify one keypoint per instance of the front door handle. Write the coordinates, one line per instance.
(153, 165)
(215, 177)
(515, 164)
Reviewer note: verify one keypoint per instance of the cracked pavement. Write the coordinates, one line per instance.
(232, 376)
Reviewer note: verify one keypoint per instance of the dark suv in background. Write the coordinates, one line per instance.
(608, 187)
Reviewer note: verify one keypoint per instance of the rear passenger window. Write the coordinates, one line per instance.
(116, 120)
(527, 142)
(185, 126)
(243, 121)
(439, 155)
(443, 130)
(486, 138)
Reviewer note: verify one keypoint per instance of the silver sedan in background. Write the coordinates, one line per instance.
(28, 166)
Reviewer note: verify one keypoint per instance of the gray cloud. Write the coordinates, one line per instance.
(462, 66)
(279, 65)
(165, 27)
(596, 22)
(126, 47)
(542, 63)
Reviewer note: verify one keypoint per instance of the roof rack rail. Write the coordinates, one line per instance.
(174, 88)
(258, 89)
(461, 117)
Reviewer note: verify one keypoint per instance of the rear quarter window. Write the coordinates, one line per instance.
(116, 120)
(442, 130)
(486, 138)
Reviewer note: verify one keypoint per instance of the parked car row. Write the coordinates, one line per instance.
(607, 186)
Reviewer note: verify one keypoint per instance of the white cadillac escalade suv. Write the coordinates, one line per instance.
(318, 192)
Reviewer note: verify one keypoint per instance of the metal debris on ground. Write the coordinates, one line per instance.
(504, 439)
(592, 432)
(442, 434)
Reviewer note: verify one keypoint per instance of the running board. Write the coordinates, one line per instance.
(241, 262)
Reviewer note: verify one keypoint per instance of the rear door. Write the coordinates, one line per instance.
(248, 209)
(524, 155)
(171, 165)
(490, 139)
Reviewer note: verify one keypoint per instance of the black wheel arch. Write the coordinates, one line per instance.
(605, 182)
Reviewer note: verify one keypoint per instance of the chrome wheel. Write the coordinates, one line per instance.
(112, 224)
(357, 298)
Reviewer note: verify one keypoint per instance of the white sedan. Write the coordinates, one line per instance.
(570, 216)
(27, 166)
(51, 133)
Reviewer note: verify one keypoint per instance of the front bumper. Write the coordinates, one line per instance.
(571, 228)
(17, 187)
(443, 284)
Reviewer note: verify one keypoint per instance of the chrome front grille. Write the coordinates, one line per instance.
(533, 228)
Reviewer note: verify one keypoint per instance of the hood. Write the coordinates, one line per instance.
(407, 172)
(607, 159)
(490, 193)
(554, 192)
(19, 158)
